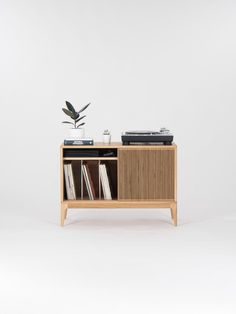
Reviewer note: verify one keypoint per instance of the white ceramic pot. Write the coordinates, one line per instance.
(76, 133)
(106, 138)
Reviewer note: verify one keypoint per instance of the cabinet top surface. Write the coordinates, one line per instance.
(120, 146)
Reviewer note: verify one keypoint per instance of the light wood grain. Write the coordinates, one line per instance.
(64, 207)
(62, 174)
(118, 204)
(173, 208)
(175, 174)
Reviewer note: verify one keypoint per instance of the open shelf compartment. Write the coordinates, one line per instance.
(84, 179)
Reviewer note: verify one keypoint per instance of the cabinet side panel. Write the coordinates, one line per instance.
(146, 174)
(62, 175)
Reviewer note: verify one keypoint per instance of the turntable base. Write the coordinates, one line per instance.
(147, 137)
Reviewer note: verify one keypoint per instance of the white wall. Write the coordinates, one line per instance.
(142, 65)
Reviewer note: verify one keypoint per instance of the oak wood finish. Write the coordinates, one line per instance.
(119, 204)
(146, 178)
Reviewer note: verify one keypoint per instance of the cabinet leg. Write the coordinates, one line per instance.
(66, 209)
(174, 213)
(63, 213)
(171, 212)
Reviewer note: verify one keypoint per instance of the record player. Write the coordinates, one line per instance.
(147, 137)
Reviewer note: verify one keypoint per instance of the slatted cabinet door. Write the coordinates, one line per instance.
(146, 174)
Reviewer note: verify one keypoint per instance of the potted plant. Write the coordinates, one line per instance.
(77, 131)
(106, 137)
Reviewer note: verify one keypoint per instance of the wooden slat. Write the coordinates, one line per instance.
(146, 174)
(119, 204)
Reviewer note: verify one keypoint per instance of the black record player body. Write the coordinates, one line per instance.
(147, 137)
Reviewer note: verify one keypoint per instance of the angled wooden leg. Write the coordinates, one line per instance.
(66, 210)
(63, 213)
(171, 212)
(174, 213)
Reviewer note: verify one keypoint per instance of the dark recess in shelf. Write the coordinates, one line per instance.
(89, 152)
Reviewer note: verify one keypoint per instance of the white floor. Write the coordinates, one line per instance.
(117, 261)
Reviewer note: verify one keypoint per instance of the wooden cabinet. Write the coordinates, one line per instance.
(141, 176)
